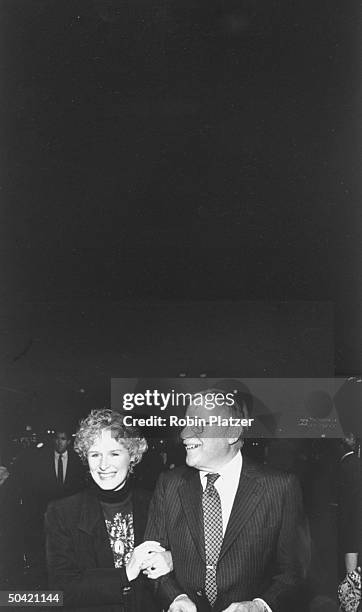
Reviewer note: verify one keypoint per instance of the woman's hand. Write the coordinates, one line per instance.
(139, 556)
(157, 564)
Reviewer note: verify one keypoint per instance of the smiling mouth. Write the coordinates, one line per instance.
(192, 446)
(106, 475)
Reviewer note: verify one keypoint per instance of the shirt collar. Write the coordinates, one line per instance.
(57, 455)
(229, 471)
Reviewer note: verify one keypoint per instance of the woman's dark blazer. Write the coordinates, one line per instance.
(80, 559)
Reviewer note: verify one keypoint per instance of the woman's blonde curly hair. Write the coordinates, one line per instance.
(92, 426)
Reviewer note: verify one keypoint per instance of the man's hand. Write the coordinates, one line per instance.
(245, 606)
(157, 564)
(138, 557)
(182, 604)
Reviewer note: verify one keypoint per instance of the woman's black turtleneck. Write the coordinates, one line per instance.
(118, 515)
(114, 495)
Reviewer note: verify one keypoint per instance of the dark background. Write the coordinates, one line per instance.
(174, 151)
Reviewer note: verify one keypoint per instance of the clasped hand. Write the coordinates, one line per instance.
(157, 564)
(150, 557)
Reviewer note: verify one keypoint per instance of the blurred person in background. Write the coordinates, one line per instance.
(44, 474)
(11, 558)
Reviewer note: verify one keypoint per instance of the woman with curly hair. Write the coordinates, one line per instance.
(95, 549)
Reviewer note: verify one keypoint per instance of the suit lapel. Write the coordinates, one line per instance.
(51, 468)
(102, 546)
(92, 523)
(69, 468)
(247, 497)
(190, 492)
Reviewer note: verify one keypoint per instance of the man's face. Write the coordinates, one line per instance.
(208, 449)
(61, 442)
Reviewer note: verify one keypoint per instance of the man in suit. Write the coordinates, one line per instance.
(59, 470)
(49, 473)
(236, 530)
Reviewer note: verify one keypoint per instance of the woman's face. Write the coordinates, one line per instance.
(108, 461)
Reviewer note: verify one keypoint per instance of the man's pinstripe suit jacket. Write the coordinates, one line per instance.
(264, 550)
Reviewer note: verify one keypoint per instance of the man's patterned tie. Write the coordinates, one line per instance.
(211, 506)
